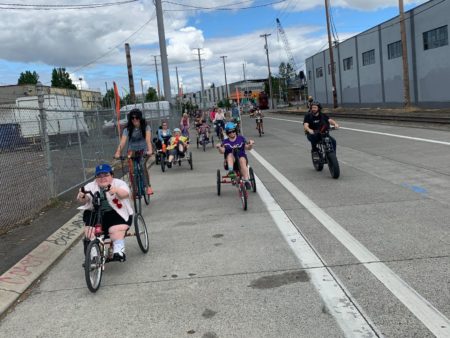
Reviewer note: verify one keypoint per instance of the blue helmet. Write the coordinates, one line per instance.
(230, 126)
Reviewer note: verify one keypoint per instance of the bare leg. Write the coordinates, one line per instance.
(244, 169)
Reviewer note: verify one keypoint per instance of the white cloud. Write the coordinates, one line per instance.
(366, 5)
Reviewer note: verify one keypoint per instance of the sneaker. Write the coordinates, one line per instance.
(248, 185)
(169, 165)
(119, 257)
(232, 174)
(150, 191)
(263, 132)
(181, 155)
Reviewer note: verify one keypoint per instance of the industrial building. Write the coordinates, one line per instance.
(368, 66)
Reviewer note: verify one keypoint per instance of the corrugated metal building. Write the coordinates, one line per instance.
(369, 65)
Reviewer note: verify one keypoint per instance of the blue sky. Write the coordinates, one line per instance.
(71, 38)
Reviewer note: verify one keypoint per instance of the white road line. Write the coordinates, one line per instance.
(375, 132)
(352, 322)
(434, 320)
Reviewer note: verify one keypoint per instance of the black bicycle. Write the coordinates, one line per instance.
(325, 154)
(100, 250)
(259, 125)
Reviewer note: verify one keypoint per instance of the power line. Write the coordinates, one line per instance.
(37, 7)
(218, 8)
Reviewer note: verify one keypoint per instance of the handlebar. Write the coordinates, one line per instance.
(88, 192)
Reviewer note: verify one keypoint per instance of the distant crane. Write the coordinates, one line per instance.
(287, 48)
(296, 79)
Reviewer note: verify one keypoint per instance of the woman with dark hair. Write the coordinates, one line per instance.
(138, 134)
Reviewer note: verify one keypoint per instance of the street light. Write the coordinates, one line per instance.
(225, 71)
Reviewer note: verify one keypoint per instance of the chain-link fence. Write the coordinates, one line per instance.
(48, 148)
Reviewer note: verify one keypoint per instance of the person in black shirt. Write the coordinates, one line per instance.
(314, 121)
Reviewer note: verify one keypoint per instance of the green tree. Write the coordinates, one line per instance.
(61, 79)
(108, 97)
(28, 78)
(151, 95)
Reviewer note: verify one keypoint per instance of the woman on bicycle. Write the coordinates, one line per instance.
(116, 210)
(259, 119)
(138, 134)
(219, 122)
(236, 141)
(184, 125)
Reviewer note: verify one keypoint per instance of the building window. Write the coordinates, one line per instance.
(319, 72)
(309, 75)
(348, 63)
(435, 38)
(368, 57)
(329, 68)
(395, 50)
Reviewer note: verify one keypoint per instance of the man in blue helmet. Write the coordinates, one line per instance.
(236, 141)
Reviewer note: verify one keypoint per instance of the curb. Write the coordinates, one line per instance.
(15, 281)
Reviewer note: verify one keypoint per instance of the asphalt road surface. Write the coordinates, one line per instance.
(363, 256)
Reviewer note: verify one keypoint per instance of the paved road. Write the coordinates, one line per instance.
(309, 253)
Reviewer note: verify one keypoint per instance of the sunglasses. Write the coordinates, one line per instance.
(135, 118)
(231, 132)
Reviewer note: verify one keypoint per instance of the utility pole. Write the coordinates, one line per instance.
(330, 48)
(202, 103)
(163, 51)
(245, 81)
(157, 78)
(266, 47)
(225, 71)
(178, 82)
(130, 73)
(406, 94)
(143, 94)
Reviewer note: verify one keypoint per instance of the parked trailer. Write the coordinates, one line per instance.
(64, 118)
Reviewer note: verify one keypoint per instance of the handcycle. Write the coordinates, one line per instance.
(100, 250)
(203, 140)
(159, 146)
(325, 153)
(178, 159)
(237, 180)
(138, 181)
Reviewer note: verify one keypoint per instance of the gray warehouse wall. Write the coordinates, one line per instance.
(382, 82)
(433, 65)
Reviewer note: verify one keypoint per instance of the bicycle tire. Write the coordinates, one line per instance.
(219, 182)
(163, 162)
(243, 195)
(204, 144)
(333, 165)
(93, 266)
(141, 231)
(318, 164)
(190, 161)
(252, 179)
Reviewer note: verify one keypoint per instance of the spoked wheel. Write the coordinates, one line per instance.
(93, 266)
(143, 192)
(243, 195)
(198, 143)
(163, 162)
(138, 204)
(141, 233)
(219, 182)
(204, 143)
(333, 165)
(190, 160)
(259, 129)
(317, 161)
(252, 179)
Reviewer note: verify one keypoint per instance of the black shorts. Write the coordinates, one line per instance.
(109, 219)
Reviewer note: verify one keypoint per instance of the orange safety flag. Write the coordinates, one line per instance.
(117, 101)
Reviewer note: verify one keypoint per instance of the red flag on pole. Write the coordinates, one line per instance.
(117, 104)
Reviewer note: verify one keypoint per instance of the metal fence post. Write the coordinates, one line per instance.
(45, 139)
(99, 133)
(80, 146)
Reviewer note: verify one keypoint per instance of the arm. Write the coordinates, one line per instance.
(148, 137)
(121, 146)
(307, 129)
(220, 148)
(333, 123)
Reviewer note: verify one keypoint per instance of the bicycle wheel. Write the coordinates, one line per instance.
(190, 160)
(163, 162)
(333, 165)
(243, 195)
(219, 182)
(198, 143)
(204, 143)
(93, 266)
(317, 162)
(141, 233)
(252, 179)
